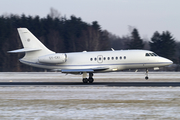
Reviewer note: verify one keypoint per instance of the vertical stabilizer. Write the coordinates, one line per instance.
(32, 46)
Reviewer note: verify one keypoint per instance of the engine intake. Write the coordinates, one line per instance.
(57, 58)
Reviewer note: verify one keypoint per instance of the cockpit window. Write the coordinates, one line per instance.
(151, 54)
(154, 54)
(147, 54)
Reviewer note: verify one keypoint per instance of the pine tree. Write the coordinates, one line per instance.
(156, 43)
(164, 44)
(135, 42)
(168, 45)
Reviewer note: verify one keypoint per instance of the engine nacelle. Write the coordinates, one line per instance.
(57, 58)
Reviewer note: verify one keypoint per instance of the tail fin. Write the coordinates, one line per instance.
(32, 46)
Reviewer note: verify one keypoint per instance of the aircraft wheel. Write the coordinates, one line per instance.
(91, 80)
(146, 78)
(85, 80)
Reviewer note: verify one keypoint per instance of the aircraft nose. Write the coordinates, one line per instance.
(169, 61)
(166, 61)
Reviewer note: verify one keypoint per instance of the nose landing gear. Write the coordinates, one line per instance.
(146, 75)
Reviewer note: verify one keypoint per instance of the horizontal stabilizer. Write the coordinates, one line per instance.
(24, 50)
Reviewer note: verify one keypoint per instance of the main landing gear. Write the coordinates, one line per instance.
(87, 80)
(146, 75)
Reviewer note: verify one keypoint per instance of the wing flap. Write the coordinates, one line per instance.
(76, 70)
(83, 70)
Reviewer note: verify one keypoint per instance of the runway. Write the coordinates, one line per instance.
(116, 79)
(99, 84)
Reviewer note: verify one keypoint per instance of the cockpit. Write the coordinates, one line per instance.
(151, 54)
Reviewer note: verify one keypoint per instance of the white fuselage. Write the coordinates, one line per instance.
(38, 55)
(112, 60)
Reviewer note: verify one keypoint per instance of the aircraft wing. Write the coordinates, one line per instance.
(83, 70)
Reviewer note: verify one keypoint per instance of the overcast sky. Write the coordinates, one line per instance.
(115, 16)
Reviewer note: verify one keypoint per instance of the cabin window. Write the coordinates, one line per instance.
(95, 59)
(91, 59)
(108, 58)
(99, 58)
(124, 57)
(120, 58)
(116, 58)
(104, 58)
(112, 58)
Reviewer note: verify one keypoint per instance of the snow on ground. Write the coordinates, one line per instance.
(43, 103)
(87, 103)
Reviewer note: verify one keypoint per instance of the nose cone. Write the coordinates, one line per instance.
(169, 62)
(165, 61)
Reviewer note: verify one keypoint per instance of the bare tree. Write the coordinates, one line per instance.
(54, 14)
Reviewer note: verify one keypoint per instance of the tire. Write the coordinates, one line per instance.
(85, 80)
(91, 80)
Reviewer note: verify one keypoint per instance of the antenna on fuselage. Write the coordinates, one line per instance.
(112, 49)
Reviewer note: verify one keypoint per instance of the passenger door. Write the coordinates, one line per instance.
(99, 58)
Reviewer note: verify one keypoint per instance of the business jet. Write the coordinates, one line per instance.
(84, 63)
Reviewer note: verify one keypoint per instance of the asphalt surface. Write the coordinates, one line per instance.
(110, 84)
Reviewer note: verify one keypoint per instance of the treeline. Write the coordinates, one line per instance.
(73, 35)
(58, 34)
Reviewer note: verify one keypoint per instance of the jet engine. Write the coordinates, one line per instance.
(57, 58)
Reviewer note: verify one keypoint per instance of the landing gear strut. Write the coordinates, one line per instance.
(146, 75)
(87, 80)
(91, 78)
